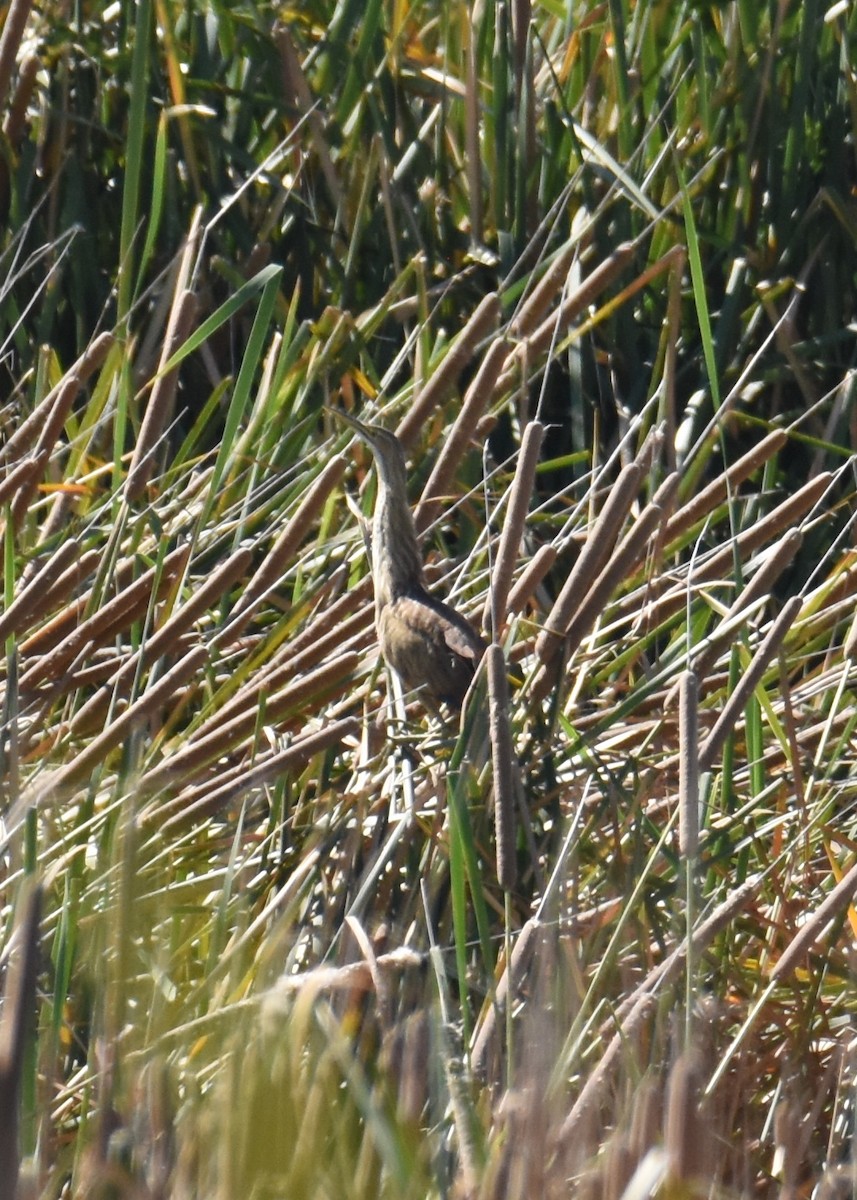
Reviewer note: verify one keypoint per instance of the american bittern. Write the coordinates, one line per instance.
(432, 648)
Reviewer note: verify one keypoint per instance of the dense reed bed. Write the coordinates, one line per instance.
(268, 929)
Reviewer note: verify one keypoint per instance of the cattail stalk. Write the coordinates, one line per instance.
(351, 602)
(536, 304)
(27, 605)
(713, 743)
(631, 1013)
(673, 334)
(591, 287)
(502, 764)
(719, 489)
(683, 1132)
(182, 317)
(838, 899)
(759, 586)
(216, 737)
(513, 973)
(203, 801)
(108, 619)
(626, 556)
(592, 558)
(14, 25)
(476, 398)
(781, 519)
(520, 496)
(292, 663)
(531, 578)
(119, 730)
(279, 557)
(688, 789)
(15, 122)
(32, 427)
(298, 90)
(53, 427)
(164, 640)
(58, 627)
(18, 1009)
(688, 823)
(482, 321)
(16, 477)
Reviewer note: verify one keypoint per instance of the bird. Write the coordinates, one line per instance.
(432, 648)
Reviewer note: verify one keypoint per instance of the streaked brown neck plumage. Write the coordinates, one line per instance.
(396, 563)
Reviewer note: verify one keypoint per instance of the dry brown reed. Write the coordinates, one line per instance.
(295, 86)
(714, 493)
(688, 791)
(207, 799)
(718, 564)
(535, 305)
(182, 317)
(531, 577)
(788, 1119)
(507, 985)
(626, 1022)
(216, 737)
(759, 586)
(290, 664)
(494, 614)
(18, 1009)
(624, 559)
(478, 395)
(279, 557)
(37, 595)
(16, 477)
(32, 426)
(329, 616)
(502, 765)
(538, 343)
(350, 618)
(481, 322)
(165, 639)
(160, 693)
(17, 16)
(834, 903)
(673, 262)
(116, 614)
(685, 1135)
(715, 739)
(15, 121)
(595, 553)
(55, 419)
(39, 602)
(647, 1117)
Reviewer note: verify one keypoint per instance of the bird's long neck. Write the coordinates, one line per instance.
(396, 562)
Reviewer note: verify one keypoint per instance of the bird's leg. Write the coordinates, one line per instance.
(401, 741)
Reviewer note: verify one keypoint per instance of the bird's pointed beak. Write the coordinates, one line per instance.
(359, 428)
(346, 419)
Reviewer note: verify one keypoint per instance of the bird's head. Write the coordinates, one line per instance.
(385, 446)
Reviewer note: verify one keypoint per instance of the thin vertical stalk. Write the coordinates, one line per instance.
(688, 823)
(141, 23)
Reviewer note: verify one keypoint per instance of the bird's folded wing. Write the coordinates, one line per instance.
(442, 624)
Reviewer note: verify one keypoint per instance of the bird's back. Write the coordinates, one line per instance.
(430, 646)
